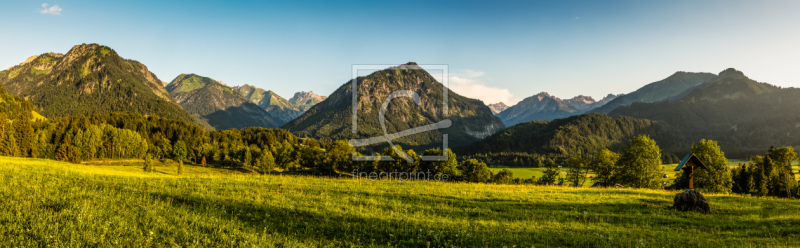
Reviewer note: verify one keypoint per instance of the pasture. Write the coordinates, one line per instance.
(49, 203)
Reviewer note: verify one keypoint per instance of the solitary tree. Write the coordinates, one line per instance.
(605, 166)
(640, 163)
(717, 177)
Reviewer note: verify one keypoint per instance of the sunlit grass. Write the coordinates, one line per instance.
(35, 71)
(48, 203)
(527, 173)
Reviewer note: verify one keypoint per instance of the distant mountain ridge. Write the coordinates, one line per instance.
(217, 104)
(545, 107)
(674, 85)
(281, 109)
(740, 113)
(88, 79)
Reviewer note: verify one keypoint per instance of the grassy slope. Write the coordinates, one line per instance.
(57, 204)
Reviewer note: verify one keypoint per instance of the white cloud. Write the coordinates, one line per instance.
(55, 10)
(469, 84)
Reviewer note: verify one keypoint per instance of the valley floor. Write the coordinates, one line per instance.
(49, 203)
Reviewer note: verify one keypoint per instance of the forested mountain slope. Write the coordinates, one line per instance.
(90, 79)
(332, 118)
(583, 134)
(738, 112)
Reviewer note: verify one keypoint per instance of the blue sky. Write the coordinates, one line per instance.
(496, 50)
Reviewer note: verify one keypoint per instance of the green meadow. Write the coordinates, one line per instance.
(526, 173)
(49, 203)
(669, 169)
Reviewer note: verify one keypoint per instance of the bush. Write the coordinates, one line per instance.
(505, 176)
(550, 173)
(149, 164)
(475, 171)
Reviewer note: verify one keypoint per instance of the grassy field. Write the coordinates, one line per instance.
(526, 173)
(669, 169)
(48, 203)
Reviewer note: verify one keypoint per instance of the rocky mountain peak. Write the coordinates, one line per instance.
(497, 107)
(470, 119)
(542, 95)
(583, 99)
(306, 98)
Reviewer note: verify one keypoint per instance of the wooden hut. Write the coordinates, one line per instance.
(688, 164)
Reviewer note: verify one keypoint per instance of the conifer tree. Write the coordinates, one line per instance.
(8, 144)
(23, 132)
(763, 190)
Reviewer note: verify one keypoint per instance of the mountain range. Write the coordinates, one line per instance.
(218, 105)
(743, 115)
(281, 109)
(545, 107)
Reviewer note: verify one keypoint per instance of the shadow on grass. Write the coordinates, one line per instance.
(352, 229)
(567, 220)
